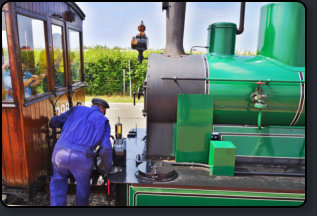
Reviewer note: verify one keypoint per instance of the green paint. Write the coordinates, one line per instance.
(260, 119)
(268, 146)
(246, 193)
(160, 200)
(174, 140)
(222, 158)
(281, 56)
(282, 33)
(222, 170)
(193, 127)
(222, 38)
(265, 146)
(194, 197)
(300, 131)
(267, 81)
(232, 104)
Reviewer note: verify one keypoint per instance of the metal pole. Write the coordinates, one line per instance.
(130, 79)
(241, 24)
(232, 80)
(123, 81)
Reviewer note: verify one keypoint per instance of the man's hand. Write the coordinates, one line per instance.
(5, 66)
(37, 79)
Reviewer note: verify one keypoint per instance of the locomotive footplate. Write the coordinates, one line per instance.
(195, 175)
(144, 182)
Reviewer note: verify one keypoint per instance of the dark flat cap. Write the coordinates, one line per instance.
(100, 102)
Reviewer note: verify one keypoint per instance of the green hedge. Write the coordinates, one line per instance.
(105, 66)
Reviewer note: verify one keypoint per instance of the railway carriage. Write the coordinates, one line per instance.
(42, 76)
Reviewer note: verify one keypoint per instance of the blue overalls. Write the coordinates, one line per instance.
(83, 129)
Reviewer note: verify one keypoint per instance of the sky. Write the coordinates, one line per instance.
(114, 23)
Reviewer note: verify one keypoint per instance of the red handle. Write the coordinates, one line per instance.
(259, 83)
(108, 183)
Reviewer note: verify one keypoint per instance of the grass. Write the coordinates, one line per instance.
(245, 53)
(115, 98)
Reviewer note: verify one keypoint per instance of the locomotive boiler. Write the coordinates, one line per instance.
(222, 129)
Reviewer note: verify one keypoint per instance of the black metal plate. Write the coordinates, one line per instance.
(156, 171)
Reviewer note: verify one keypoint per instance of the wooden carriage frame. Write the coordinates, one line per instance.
(26, 137)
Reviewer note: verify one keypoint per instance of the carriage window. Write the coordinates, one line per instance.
(58, 56)
(6, 73)
(33, 55)
(74, 55)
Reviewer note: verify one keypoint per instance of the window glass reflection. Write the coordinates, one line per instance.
(33, 55)
(74, 55)
(7, 93)
(58, 68)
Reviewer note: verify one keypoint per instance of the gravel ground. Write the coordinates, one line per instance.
(97, 197)
(42, 199)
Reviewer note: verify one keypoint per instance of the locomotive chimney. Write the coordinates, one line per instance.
(175, 20)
